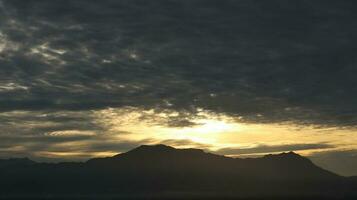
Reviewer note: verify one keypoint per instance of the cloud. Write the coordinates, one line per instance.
(72, 148)
(32, 131)
(272, 148)
(270, 62)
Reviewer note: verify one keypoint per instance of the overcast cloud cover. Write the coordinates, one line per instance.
(264, 61)
(282, 60)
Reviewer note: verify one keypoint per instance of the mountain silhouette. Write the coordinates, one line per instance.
(163, 171)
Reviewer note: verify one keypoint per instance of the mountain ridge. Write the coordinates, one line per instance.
(158, 169)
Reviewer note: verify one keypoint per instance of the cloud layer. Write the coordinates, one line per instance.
(264, 61)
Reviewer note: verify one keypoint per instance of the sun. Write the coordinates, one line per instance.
(206, 131)
(211, 125)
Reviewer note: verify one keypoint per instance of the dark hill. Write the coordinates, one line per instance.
(163, 170)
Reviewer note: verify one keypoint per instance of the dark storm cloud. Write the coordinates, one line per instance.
(266, 61)
(272, 148)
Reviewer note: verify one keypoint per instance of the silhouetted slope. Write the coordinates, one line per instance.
(14, 162)
(162, 169)
(294, 166)
(283, 166)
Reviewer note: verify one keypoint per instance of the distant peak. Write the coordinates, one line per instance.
(289, 154)
(17, 161)
(161, 149)
(152, 148)
(156, 147)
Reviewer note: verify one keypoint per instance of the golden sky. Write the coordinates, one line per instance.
(213, 132)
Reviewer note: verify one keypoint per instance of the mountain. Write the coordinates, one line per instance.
(13, 162)
(163, 171)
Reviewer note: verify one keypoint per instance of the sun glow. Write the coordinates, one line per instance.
(210, 130)
(210, 125)
(120, 129)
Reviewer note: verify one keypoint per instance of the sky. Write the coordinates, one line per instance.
(243, 78)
